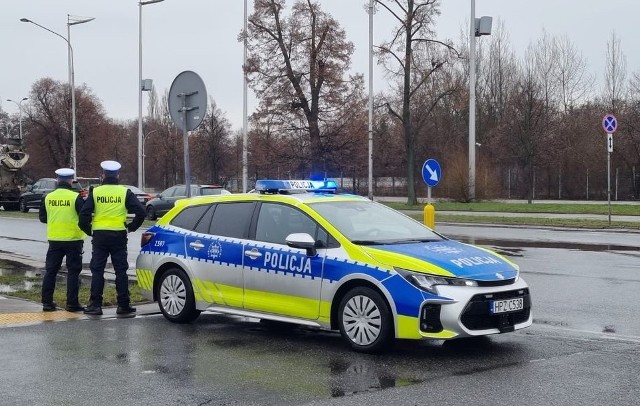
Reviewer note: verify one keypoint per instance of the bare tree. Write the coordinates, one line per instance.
(302, 62)
(571, 74)
(615, 73)
(412, 57)
(210, 146)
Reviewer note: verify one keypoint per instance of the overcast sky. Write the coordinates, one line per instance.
(201, 35)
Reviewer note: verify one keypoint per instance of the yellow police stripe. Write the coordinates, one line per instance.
(145, 279)
(207, 291)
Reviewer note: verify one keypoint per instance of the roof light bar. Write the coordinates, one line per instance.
(295, 186)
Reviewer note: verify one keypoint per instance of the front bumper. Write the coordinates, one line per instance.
(469, 314)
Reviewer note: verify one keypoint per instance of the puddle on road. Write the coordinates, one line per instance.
(514, 247)
(19, 276)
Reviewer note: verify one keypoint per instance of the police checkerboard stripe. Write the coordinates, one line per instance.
(257, 245)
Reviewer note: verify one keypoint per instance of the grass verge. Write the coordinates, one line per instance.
(564, 208)
(60, 294)
(531, 221)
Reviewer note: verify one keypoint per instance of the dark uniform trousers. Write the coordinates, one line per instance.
(105, 244)
(72, 250)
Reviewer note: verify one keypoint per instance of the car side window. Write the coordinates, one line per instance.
(277, 221)
(36, 186)
(189, 217)
(180, 191)
(205, 222)
(232, 219)
(51, 184)
(169, 192)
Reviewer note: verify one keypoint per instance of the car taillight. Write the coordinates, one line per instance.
(146, 238)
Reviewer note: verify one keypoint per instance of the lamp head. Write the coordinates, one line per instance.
(25, 20)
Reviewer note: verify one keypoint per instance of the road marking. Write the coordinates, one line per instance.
(14, 319)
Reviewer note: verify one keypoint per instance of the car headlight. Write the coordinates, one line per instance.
(428, 282)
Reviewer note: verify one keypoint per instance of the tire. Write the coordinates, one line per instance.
(175, 297)
(365, 320)
(11, 206)
(151, 213)
(23, 206)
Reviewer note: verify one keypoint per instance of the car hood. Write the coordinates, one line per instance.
(446, 258)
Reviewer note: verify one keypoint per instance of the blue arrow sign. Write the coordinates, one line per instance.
(609, 123)
(431, 172)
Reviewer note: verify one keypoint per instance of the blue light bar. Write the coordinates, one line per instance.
(295, 186)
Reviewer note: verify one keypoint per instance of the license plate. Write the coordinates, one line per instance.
(507, 305)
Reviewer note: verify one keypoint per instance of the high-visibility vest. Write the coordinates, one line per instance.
(62, 218)
(110, 208)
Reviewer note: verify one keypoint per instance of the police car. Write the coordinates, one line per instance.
(295, 251)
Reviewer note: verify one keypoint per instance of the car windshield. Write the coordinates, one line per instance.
(370, 223)
(207, 191)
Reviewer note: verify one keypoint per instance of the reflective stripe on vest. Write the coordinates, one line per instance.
(110, 208)
(62, 218)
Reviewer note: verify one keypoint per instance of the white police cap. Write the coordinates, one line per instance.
(110, 166)
(65, 172)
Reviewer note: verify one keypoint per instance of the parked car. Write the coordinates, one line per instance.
(163, 202)
(32, 196)
(142, 196)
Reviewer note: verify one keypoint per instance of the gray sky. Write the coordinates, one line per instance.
(201, 35)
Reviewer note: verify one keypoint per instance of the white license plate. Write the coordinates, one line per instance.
(507, 305)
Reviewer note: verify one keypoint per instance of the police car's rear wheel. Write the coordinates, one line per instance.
(175, 297)
(365, 320)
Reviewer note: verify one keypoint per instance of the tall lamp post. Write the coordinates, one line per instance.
(144, 155)
(140, 88)
(480, 26)
(245, 124)
(19, 104)
(70, 21)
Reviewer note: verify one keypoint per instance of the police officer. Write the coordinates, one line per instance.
(59, 210)
(110, 202)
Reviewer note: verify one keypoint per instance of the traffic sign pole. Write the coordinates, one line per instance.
(610, 125)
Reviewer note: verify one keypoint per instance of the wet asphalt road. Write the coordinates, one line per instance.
(584, 346)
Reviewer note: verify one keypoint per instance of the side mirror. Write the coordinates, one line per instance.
(303, 241)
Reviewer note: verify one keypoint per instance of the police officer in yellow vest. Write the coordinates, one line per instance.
(110, 202)
(59, 210)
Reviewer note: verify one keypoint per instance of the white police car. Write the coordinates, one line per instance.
(294, 252)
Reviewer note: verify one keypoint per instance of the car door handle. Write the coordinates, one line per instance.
(253, 253)
(196, 245)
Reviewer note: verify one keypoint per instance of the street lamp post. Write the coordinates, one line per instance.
(245, 123)
(140, 88)
(70, 21)
(479, 27)
(19, 104)
(144, 140)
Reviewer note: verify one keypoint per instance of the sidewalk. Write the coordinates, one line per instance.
(19, 312)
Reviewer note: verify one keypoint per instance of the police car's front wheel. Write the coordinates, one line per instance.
(365, 320)
(175, 297)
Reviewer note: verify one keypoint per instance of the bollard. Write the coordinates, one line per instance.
(430, 216)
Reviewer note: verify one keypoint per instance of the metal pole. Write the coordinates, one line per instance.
(609, 184)
(73, 99)
(472, 103)
(74, 146)
(185, 142)
(245, 124)
(371, 2)
(140, 95)
(140, 158)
